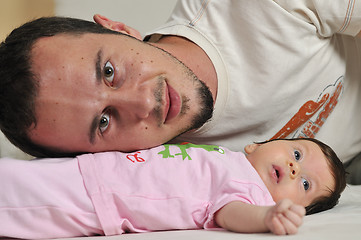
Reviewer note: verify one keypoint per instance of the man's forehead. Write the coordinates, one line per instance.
(59, 60)
(51, 48)
(64, 41)
(62, 38)
(62, 47)
(78, 35)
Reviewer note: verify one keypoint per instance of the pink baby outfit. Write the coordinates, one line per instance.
(167, 187)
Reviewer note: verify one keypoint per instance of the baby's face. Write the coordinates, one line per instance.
(297, 170)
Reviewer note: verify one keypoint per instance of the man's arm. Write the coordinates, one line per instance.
(283, 218)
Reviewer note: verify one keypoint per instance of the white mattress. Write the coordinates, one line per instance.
(341, 222)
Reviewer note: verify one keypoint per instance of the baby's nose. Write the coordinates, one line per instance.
(294, 169)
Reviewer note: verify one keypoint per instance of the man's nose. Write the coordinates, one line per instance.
(137, 104)
(294, 168)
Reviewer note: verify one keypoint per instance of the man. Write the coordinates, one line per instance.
(273, 68)
(136, 95)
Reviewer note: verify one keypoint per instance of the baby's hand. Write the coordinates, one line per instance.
(285, 217)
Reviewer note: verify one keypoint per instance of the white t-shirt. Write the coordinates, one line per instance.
(285, 69)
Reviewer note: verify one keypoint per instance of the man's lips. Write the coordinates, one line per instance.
(172, 104)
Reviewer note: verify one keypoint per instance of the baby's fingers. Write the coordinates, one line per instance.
(277, 227)
(288, 217)
(283, 205)
(295, 217)
(288, 224)
(298, 209)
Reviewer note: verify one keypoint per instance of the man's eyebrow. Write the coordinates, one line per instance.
(98, 73)
(98, 69)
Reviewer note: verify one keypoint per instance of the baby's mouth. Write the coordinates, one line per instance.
(277, 173)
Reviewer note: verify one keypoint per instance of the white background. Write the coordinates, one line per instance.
(143, 15)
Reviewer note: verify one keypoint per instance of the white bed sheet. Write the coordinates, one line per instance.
(341, 222)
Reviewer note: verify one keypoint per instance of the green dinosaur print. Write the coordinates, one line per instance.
(183, 148)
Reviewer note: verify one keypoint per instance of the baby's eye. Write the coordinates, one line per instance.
(297, 155)
(305, 183)
(108, 72)
(104, 122)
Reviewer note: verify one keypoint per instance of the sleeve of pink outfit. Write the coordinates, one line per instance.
(168, 187)
(44, 199)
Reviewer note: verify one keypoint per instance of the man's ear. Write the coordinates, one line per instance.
(116, 26)
(250, 148)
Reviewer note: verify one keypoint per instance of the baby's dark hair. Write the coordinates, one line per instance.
(338, 172)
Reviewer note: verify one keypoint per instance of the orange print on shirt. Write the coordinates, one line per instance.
(305, 114)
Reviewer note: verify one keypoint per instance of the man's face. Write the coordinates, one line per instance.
(297, 170)
(102, 92)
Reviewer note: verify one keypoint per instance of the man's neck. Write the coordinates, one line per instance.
(193, 57)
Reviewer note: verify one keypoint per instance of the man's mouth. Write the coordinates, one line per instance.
(172, 104)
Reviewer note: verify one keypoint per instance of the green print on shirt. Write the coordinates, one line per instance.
(183, 148)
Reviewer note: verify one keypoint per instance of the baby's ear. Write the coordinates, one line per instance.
(251, 148)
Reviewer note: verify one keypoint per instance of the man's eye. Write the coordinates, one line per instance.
(305, 183)
(108, 72)
(104, 122)
(297, 155)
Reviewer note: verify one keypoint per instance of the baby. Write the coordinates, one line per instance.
(173, 186)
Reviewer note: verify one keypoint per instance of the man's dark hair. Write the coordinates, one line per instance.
(338, 172)
(18, 85)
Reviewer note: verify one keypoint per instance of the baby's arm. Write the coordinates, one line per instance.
(283, 218)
